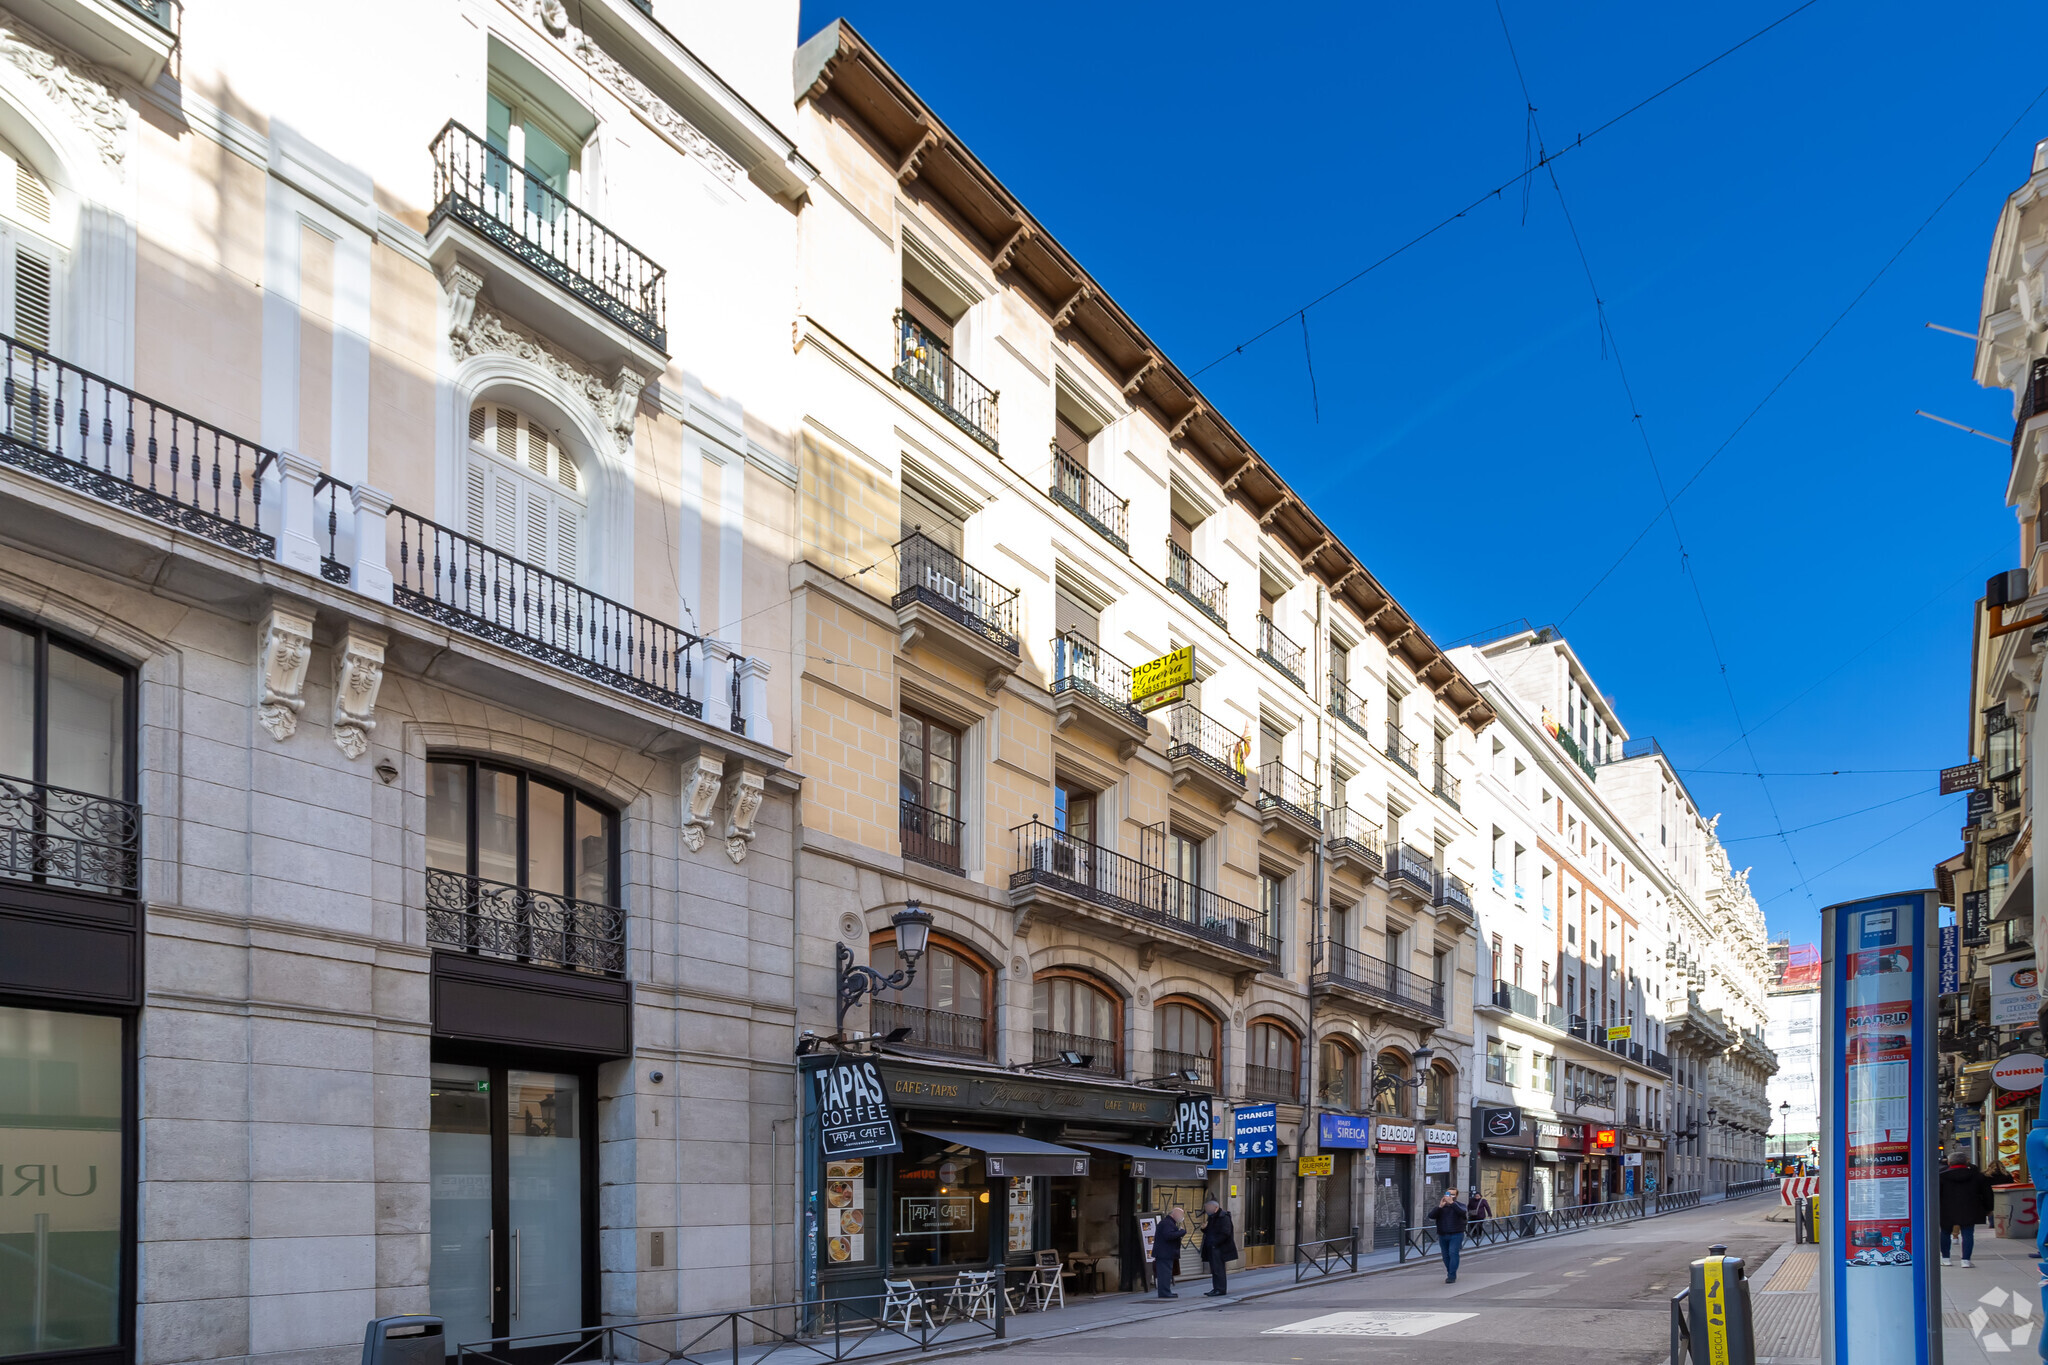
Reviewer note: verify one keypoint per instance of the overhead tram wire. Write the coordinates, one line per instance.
(1607, 339)
(1857, 854)
(1581, 140)
(1807, 354)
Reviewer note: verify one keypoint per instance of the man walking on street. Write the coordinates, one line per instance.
(1449, 1217)
(1966, 1201)
(1166, 1240)
(1219, 1247)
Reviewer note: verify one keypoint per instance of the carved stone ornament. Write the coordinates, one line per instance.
(741, 806)
(81, 89)
(613, 403)
(285, 645)
(700, 796)
(1144, 997)
(358, 674)
(849, 926)
(1017, 966)
(463, 286)
(553, 18)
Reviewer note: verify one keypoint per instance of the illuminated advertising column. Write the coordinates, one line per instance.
(1878, 1162)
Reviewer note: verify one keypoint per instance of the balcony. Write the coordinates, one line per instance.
(1091, 688)
(54, 836)
(930, 837)
(1376, 983)
(1081, 493)
(945, 604)
(927, 369)
(1061, 878)
(483, 201)
(1047, 1045)
(1347, 708)
(133, 37)
(1270, 1083)
(1452, 894)
(2033, 402)
(111, 443)
(933, 1031)
(517, 923)
(1410, 874)
(1276, 649)
(1401, 749)
(1203, 590)
(1289, 800)
(1447, 787)
(466, 585)
(1166, 1062)
(1352, 841)
(1516, 1000)
(1202, 751)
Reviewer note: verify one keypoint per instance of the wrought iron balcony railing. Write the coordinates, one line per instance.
(928, 572)
(468, 586)
(1405, 864)
(1276, 649)
(1166, 1062)
(1054, 858)
(1453, 894)
(1447, 786)
(927, 368)
(1088, 498)
(1205, 740)
(61, 837)
(1347, 708)
(1186, 576)
(158, 12)
(1400, 748)
(495, 919)
(1047, 1045)
(1509, 996)
(1270, 1083)
(2032, 402)
(111, 443)
(332, 567)
(1081, 665)
(1280, 786)
(480, 187)
(1349, 832)
(930, 837)
(1364, 972)
(941, 1031)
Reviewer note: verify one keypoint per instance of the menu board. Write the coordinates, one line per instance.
(1877, 1098)
(1021, 1211)
(846, 1212)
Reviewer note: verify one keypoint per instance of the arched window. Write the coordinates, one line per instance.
(1270, 1062)
(1438, 1091)
(1337, 1076)
(30, 257)
(945, 1006)
(522, 490)
(1185, 1040)
(1391, 1090)
(1072, 1014)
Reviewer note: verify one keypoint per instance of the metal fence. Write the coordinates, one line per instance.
(1377, 977)
(1514, 1227)
(929, 836)
(928, 572)
(1081, 665)
(1088, 498)
(1349, 832)
(1400, 748)
(1325, 1256)
(68, 838)
(1347, 708)
(1208, 741)
(942, 1031)
(1186, 576)
(926, 367)
(1054, 858)
(497, 919)
(1276, 649)
(1280, 785)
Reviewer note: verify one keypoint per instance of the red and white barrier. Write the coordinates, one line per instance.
(1793, 1187)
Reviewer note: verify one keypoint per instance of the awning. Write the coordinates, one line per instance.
(1008, 1154)
(1152, 1163)
(1974, 1083)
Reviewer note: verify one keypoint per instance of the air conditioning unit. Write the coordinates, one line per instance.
(1057, 858)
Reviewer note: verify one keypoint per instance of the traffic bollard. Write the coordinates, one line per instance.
(407, 1339)
(1710, 1320)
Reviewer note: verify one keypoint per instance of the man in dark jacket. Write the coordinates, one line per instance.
(1219, 1247)
(1449, 1217)
(1965, 1202)
(1166, 1240)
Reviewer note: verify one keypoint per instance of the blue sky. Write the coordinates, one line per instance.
(1217, 166)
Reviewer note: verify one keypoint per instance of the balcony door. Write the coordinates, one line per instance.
(929, 764)
(523, 496)
(511, 1155)
(945, 1006)
(66, 764)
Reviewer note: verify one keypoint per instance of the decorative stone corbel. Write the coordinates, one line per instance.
(627, 386)
(462, 285)
(1242, 983)
(1148, 953)
(701, 779)
(358, 674)
(285, 645)
(742, 804)
(993, 681)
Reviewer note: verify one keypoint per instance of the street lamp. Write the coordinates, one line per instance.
(1785, 1130)
(913, 931)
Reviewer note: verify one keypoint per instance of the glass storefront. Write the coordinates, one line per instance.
(62, 1102)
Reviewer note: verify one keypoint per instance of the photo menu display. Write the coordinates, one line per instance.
(1877, 1062)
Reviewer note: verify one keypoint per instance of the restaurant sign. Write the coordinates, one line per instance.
(1394, 1137)
(1441, 1139)
(853, 1110)
(1194, 1129)
(923, 1087)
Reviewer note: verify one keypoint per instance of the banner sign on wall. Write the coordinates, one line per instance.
(1194, 1130)
(853, 1111)
(1497, 1124)
(2015, 993)
(1394, 1137)
(1951, 959)
(1974, 915)
(1977, 807)
(1258, 1130)
(1962, 777)
(1343, 1130)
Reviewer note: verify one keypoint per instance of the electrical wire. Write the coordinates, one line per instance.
(1832, 819)
(1857, 854)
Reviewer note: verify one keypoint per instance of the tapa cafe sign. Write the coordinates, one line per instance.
(853, 1111)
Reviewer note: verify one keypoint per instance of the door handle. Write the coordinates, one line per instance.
(515, 1272)
(491, 1266)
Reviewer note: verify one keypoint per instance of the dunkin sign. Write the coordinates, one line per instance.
(2021, 1071)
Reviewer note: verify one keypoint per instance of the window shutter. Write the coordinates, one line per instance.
(536, 450)
(476, 505)
(1070, 614)
(33, 278)
(536, 528)
(505, 535)
(476, 424)
(566, 527)
(31, 196)
(508, 433)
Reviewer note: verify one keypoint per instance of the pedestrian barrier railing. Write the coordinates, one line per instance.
(1741, 1187)
(1510, 1227)
(1320, 1258)
(919, 1316)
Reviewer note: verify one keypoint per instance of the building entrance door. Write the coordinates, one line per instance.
(509, 1156)
(1390, 1199)
(1261, 1176)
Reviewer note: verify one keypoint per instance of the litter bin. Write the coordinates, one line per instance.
(2013, 1212)
(407, 1339)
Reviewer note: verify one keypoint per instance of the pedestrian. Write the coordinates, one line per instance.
(1450, 1219)
(1166, 1240)
(1479, 1209)
(1965, 1202)
(1219, 1247)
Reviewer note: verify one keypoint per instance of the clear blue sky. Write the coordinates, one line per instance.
(1217, 166)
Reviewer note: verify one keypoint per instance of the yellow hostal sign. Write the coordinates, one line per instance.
(1617, 1033)
(1163, 673)
(1315, 1165)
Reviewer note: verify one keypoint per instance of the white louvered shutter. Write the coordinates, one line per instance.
(525, 490)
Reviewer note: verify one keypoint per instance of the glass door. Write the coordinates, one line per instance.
(508, 1151)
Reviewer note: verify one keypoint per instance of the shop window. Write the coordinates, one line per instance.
(929, 765)
(1072, 1014)
(63, 1119)
(1391, 1089)
(945, 1006)
(1270, 1066)
(942, 1205)
(523, 490)
(1337, 1076)
(1437, 1092)
(66, 759)
(1184, 1039)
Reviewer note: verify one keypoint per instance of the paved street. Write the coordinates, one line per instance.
(1603, 1290)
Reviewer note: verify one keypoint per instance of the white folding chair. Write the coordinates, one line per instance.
(902, 1300)
(1046, 1285)
(973, 1295)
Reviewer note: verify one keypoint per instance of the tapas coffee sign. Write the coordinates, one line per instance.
(853, 1111)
